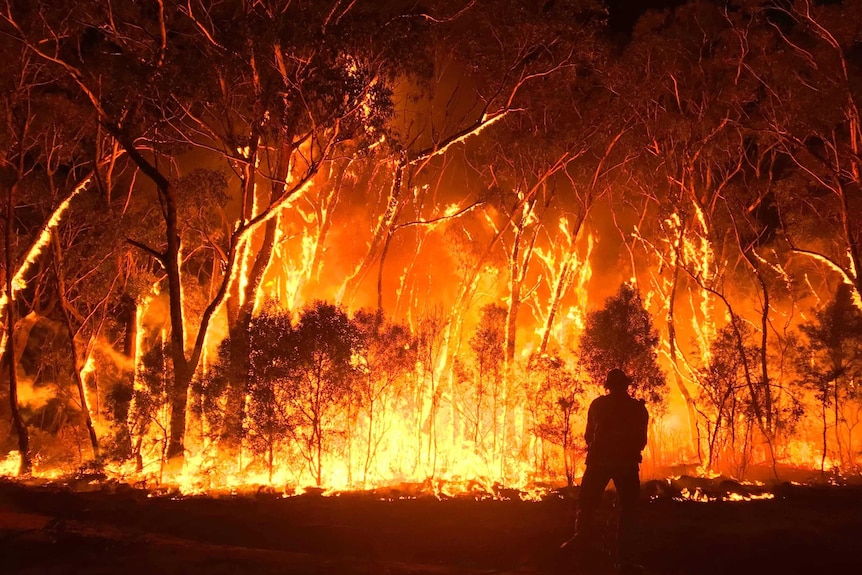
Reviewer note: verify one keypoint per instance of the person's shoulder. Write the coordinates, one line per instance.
(599, 401)
(635, 402)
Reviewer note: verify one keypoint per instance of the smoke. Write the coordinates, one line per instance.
(32, 396)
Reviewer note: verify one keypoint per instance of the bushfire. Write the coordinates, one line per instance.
(352, 268)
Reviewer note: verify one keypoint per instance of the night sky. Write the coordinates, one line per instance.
(624, 13)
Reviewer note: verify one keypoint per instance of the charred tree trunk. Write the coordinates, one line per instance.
(562, 285)
(674, 355)
(26, 467)
(77, 359)
(128, 319)
(240, 366)
(170, 260)
(823, 438)
(765, 410)
(182, 370)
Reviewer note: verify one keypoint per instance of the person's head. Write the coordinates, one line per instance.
(617, 381)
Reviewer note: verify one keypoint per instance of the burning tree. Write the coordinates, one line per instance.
(319, 372)
(482, 410)
(302, 378)
(727, 403)
(268, 421)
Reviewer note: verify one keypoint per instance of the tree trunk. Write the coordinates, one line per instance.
(674, 357)
(371, 449)
(77, 359)
(239, 320)
(825, 427)
(382, 234)
(179, 403)
(563, 283)
(26, 466)
(170, 260)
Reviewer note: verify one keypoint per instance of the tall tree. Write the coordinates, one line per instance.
(319, 375)
(830, 363)
(307, 94)
(556, 394)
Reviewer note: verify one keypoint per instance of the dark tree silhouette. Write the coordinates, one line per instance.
(556, 394)
(269, 421)
(488, 347)
(319, 373)
(725, 399)
(830, 363)
(621, 335)
(386, 355)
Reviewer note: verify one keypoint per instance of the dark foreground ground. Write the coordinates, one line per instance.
(58, 530)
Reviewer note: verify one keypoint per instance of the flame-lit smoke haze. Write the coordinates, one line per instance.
(424, 272)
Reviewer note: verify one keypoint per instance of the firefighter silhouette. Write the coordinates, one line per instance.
(616, 434)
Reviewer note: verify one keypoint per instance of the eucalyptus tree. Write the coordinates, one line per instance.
(298, 80)
(50, 152)
(621, 335)
(385, 355)
(810, 111)
(829, 363)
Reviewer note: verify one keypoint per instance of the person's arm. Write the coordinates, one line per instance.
(590, 432)
(643, 425)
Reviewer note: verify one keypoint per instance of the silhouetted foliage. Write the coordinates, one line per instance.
(730, 419)
(556, 394)
(384, 357)
(830, 363)
(621, 335)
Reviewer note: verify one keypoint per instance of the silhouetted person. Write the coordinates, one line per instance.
(616, 434)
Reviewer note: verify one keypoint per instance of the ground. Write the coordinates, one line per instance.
(96, 528)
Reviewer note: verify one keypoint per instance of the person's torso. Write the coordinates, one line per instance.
(619, 430)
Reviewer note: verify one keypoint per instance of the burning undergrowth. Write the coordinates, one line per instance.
(685, 488)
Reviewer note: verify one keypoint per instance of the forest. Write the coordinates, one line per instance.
(344, 244)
